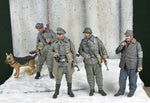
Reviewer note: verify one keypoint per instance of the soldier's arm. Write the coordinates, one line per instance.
(81, 52)
(37, 42)
(102, 47)
(140, 54)
(73, 52)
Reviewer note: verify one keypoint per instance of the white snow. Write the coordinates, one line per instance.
(26, 89)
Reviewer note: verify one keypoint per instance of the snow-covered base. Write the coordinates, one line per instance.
(26, 89)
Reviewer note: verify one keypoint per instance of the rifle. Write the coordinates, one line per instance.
(47, 25)
(91, 52)
(105, 62)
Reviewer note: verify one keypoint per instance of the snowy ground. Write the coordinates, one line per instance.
(26, 89)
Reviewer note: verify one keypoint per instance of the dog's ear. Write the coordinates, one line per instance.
(6, 54)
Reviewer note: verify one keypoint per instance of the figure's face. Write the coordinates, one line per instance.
(128, 37)
(41, 30)
(60, 36)
(87, 35)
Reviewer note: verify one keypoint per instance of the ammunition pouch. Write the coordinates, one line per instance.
(99, 58)
(69, 57)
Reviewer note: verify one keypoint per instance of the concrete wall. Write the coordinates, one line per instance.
(108, 19)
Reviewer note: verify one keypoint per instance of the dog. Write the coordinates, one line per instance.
(17, 62)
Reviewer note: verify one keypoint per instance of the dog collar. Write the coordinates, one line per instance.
(13, 63)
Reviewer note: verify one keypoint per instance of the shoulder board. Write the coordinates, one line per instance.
(66, 39)
(56, 40)
(47, 30)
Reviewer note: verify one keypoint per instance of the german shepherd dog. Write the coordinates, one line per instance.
(17, 62)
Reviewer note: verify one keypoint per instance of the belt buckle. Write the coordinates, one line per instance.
(63, 60)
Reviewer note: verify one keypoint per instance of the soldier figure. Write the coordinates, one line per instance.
(130, 63)
(65, 59)
(44, 40)
(93, 51)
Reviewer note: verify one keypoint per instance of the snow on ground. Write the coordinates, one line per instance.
(26, 89)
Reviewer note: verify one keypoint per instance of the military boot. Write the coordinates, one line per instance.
(91, 92)
(70, 93)
(51, 75)
(102, 92)
(56, 91)
(37, 75)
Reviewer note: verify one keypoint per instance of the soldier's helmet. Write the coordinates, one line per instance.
(60, 31)
(129, 32)
(87, 30)
(39, 25)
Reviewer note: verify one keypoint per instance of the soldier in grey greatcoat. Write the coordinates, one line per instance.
(93, 51)
(64, 61)
(45, 38)
(130, 63)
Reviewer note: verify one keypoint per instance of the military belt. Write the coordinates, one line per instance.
(62, 58)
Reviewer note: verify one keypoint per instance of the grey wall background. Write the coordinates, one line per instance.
(108, 19)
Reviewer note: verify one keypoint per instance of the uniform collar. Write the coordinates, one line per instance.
(47, 30)
(65, 40)
(91, 38)
(133, 40)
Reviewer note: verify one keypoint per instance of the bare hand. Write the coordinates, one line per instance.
(105, 56)
(140, 69)
(55, 55)
(38, 53)
(123, 44)
(74, 64)
(48, 40)
(87, 56)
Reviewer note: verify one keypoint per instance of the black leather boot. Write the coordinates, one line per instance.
(102, 92)
(51, 75)
(37, 75)
(70, 93)
(91, 92)
(56, 91)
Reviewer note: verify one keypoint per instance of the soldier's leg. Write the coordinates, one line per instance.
(41, 60)
(49, 62)
(70, 71)
(90, 77)
(99, 78)
(39, 64)
(58, 77)
(132, 81)
(59, 74)
(49, 58)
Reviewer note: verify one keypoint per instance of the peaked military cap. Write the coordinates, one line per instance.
(129, 32)
(39, 25)
(87, 30)
(60, 31)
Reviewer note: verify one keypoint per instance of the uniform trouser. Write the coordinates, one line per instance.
(94, 71)
(58, 72)
(132, 80)
(45, 56)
